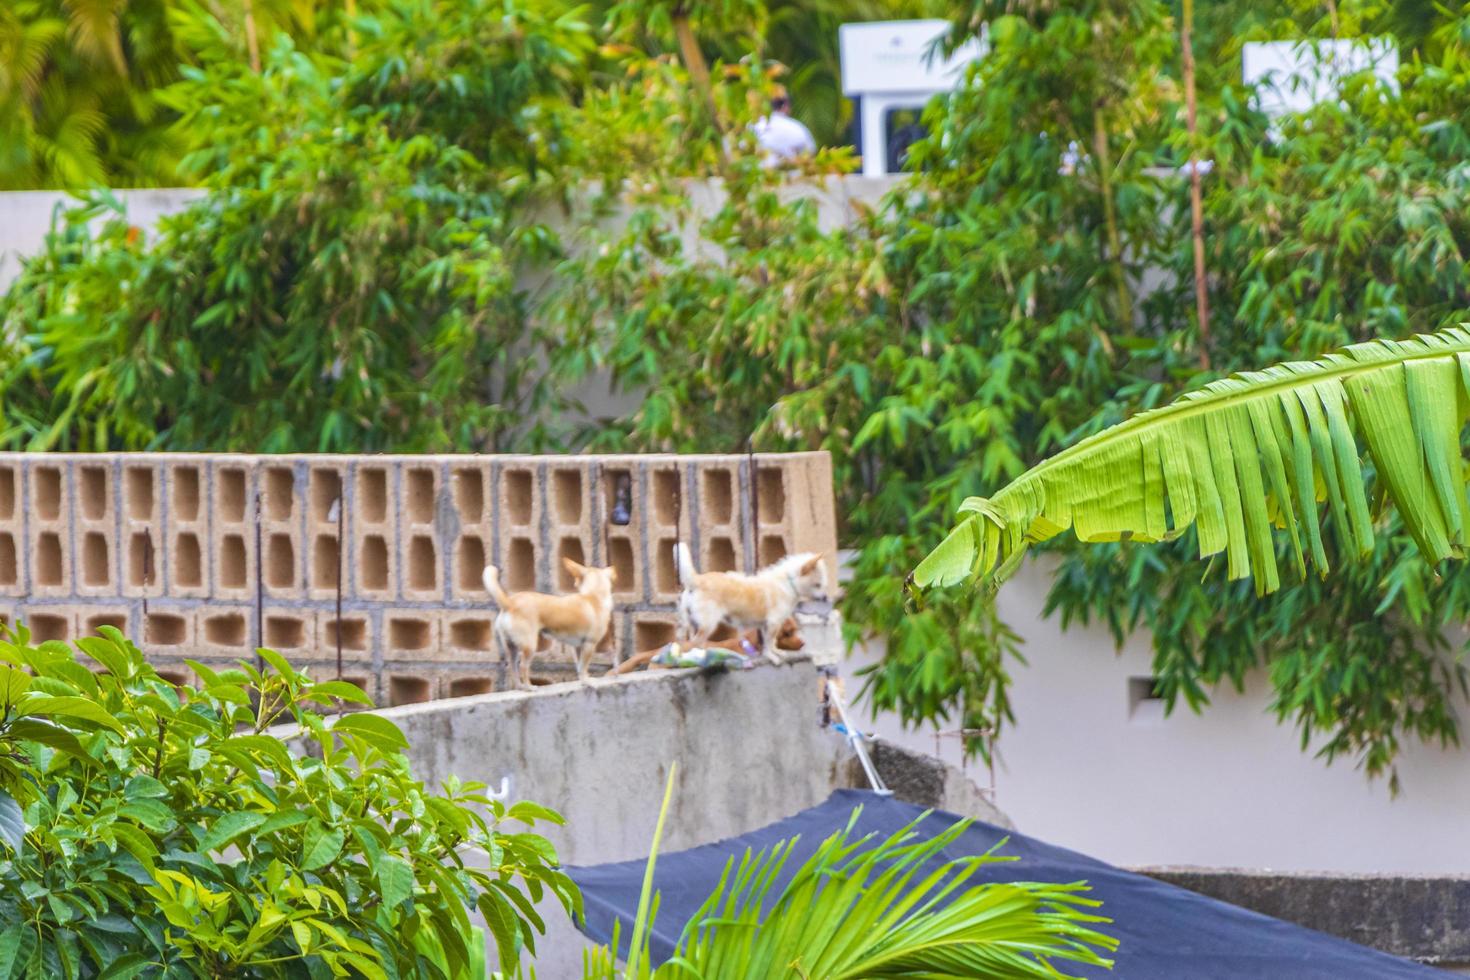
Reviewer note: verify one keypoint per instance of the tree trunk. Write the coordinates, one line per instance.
(252, 44)
(1196, 205)
(698, 71)
(1110, 218)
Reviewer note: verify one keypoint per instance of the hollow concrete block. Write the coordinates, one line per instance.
(12, 560)
(232, 527)
(94, 522)
(625, 555)
(48, 621)
(468, 637)
(474, 502)
(281, 484)
(412, 635)
(519, 563)
(91, 619)
(169, 630)
(48, 490)
(357, 637)
(650, 631)
(809, 506)
(468, 684)
(519, 496)
(188, 560)
(409, 687)
(328, 519)
(373, 561)
(225, 631)
(291, 632)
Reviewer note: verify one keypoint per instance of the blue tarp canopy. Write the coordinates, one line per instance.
(1165, 932)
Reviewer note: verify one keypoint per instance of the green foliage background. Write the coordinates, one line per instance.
(350, 283)
(171, 833)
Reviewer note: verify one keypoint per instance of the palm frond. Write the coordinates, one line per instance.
(860, 909)
(95, 30)
(854, 910)
(1248, 454)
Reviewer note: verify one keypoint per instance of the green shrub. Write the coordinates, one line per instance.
(169, 831)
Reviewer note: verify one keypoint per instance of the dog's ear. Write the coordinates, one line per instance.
(612, 574)
(578, 571)
(810, 565)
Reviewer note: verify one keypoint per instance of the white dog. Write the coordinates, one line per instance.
(761, 601)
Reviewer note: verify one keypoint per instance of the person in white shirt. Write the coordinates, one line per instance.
(782, 137)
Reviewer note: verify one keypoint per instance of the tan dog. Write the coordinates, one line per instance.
(578, 620)
(761, 601)
(788, 639)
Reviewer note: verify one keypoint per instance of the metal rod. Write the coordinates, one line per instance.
(147, 576)
(340, 510)
(678, 524)
(259, 587)
(752, 559)
(855, 739)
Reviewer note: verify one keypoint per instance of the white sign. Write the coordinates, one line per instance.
(1293, 76)
(898, 56)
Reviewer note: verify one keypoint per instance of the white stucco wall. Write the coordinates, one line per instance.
(25, 217)
(1227, 788)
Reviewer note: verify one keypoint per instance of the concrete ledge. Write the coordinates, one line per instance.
(1423, 917)
(749, 745)
(926, 781)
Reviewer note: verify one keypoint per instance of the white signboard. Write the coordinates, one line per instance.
(898, 56)
(1293, 76)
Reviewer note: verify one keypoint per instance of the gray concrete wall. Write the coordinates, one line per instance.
(749, 746)
(1424, 917)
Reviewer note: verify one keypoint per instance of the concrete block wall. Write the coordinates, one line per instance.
(206, 557)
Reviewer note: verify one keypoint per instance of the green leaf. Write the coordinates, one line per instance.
(281, 665)
(228, 828)
(17, 944)
(152, 814)
(1199, 461)
(127, 966)
(70, 708)
(378, 732)
(106, 653)
(395, 878)
(31, 730)
(340, 690)
(501, 919)
(321, 846)
(12, 822)
(528, 813)
(13, 683)
(144, 787)
(283, 820)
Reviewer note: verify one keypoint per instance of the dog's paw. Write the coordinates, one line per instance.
(775, 658)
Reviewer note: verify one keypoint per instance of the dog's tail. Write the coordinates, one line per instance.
(491, 578)
(685, 561)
